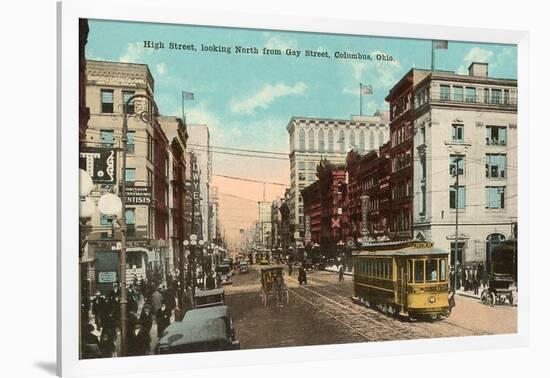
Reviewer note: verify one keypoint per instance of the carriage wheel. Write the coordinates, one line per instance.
(492, 299)
(485, 297)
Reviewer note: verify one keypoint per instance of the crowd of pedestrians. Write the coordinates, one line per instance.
(148, 304)
(473, 278)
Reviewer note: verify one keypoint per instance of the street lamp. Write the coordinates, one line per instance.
(145, 116)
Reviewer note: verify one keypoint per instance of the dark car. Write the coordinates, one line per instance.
(243, 267)
(201, 330)
(209, 298)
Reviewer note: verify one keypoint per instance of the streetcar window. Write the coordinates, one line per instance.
(409, 270)
(418, 271)
(391, 269)
(431, 270)
(442, 269)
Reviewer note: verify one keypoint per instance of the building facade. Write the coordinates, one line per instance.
(316, 139)
(465, 126)
(264, 224)
(108, 86)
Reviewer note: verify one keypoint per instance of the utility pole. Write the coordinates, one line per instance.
(456, 224)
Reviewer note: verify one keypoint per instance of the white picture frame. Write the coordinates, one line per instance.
(67, 261)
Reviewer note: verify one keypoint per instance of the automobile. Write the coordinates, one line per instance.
(223, 268)
(243, 267)
(209, 298)
(224, 279)
(264, 261)
(201, 330)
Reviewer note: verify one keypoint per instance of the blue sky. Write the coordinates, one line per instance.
(247, 100)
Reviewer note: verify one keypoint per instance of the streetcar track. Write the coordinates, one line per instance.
(321, 310)
(431, 331)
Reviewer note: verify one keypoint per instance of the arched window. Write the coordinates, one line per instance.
(371, 141)
(341, 142)
(330, 141)
(311, 140)
(362, 141)
(302, 139)
(380, 138)
(352, 139)
(321, 141)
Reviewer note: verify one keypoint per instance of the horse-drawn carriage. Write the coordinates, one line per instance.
(273, 285)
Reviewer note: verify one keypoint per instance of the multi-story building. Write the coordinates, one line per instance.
(264, 223)
(312, 213)
(465, 127)
(176, 132)
(199, 143)
(284, 228)
(108, 86)
(316, 139)
(215, 215)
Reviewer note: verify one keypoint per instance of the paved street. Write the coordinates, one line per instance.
(322, 312)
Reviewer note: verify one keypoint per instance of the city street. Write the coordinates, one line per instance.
(323, 313)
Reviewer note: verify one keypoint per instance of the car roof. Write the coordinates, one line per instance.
(196, 331)
(206, 293)
(214, 312)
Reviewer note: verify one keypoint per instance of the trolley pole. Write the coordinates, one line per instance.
(456, 226)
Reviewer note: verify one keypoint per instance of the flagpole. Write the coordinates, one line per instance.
(360, 100)
(433, 55)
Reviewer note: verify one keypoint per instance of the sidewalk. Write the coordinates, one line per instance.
(334, 269)
(469, 294)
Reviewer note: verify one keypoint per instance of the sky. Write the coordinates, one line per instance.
(247, 100)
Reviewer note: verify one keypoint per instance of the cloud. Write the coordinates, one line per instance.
(276, 42)
(161, 69)
(380, 74)
(265, 96)
(475, 54)
(135, 53)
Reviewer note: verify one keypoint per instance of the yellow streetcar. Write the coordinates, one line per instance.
(406, 278)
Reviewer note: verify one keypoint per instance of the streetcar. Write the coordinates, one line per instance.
(403, 278)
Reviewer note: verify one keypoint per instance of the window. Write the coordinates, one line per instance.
(506, 97)
(494, 197)
(409, 270)
(431, 270)
(302, 139)
(131, 144)
(107, 101)
(495, 166)
(352, 139)
(301, 176)
(130, 216)
(470, 94)
(107, 138)
(311, 165)
(452, 165)
(496, 96)
(125, 96)
(445, 93)
(457, 133)
(458, 94)
(458, 252)
(311, 140)
(130, 175)
(311, 177)
(380, 138)
(486, 95)
(105, 220)
(321, 141)
(453, 197)
(371, 141)
(442, 269)
(330, 141)
(302, 165)
(341, 141)
(418, 271)
(149, 147)
(362, 141)
(495, 135)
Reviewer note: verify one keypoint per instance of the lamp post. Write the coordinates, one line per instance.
(147, 117)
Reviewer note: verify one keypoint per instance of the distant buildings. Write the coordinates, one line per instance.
(316, 139)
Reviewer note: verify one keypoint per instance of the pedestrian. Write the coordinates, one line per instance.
(340, 272)
(98, 308)
(476, 281)
(106, 344)
(90, 347)
(452, 279)
(138, 341)
(210, 281)
(170, 297)
(163, 318)
(484, 278)
(302, 277)
(156, 301)
(114, 298)
(146, 318)
(289, 268)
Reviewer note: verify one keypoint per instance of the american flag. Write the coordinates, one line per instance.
(188, 95)
(365, 89)
(441, 44)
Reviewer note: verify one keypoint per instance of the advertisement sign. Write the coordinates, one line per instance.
(106, 277)
(138, 195)
(364, 218)
(100, 163)
(307, 233)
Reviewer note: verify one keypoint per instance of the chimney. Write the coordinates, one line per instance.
(478, 69)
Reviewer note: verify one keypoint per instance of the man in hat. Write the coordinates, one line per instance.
(98, 309)
(163, 318)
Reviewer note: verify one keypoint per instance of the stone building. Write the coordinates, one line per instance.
(465, 126)
(316, 139)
